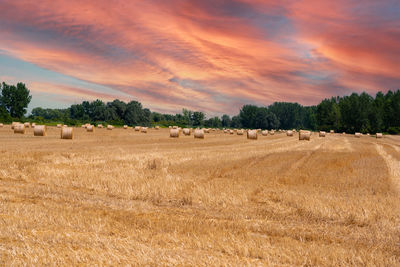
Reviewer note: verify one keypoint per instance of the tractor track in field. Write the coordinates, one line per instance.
(392, 164)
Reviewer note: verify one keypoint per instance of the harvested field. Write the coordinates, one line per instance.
(119, 198)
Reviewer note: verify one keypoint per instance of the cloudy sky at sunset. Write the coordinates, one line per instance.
(208, 55)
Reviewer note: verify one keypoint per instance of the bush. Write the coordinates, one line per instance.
(4, 116)
(394, 130)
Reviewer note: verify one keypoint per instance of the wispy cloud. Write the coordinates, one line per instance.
(211, 55)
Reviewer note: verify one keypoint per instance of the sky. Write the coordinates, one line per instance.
(206, 55)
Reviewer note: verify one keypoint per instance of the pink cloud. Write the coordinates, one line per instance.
(208, 55)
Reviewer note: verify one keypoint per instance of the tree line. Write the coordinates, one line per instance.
(354, 113)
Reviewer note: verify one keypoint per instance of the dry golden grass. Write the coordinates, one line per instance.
(120, 197)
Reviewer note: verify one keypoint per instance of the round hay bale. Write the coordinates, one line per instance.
(264, 133)
(304, 135)
(174, 133)
(83, 126)
(27, 125)
(67, 133)
(231, 132)
(144, 129)
(368, 134)
(59, 125)
(65, 125)
(226, 131)
(344, 133)
(110, 127)
(100, 126)
(125, 127)
(240, 132)
(186, 131)
(19, 128)
(289, 133)
(332, 131)
(33, 125)
(90, 128)
(206, 130)
(170, 127)
(199, 133)
(137, 128)
(175, 127)
(157, 127)
(322, 134)
(252, 134)
(379, 135)
(272, 132)
(357, 135)
(40, 130)
(1, 125)
(13, 124)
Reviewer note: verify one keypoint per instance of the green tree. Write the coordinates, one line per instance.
(4, 115)
(225, 121)
(214, 122)
(248, 115)
(198, 118)
(290, 115)
(236, 122)
(15, 99)
(328, 115)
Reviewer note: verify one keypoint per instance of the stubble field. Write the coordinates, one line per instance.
(121, 197)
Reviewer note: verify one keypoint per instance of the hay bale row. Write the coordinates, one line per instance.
(174, 133)
(40, 130)
(19, 128)
(90, 128)
(67, 133)
(186, 131)
(304, 135)
(252, 134)
(13, 124)
(199, 133)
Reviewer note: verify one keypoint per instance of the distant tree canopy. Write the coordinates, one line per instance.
(14, 99)
(353, 113)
